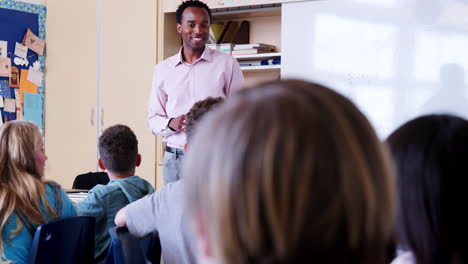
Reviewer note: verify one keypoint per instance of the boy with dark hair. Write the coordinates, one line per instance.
(162, 212)
(118, 151)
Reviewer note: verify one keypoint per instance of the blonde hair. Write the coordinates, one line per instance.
(290, 172)
(22, 188)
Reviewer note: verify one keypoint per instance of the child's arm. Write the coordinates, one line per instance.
(140, 217)
(120, 218)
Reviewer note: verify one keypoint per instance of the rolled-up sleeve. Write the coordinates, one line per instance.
(157, 115)
(141, 216)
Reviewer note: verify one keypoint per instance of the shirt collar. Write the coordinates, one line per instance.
(207, 55)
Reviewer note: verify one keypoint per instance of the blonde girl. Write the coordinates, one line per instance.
(26, 199)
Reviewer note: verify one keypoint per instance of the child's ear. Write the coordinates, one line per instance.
(101, 164)
(138, 161)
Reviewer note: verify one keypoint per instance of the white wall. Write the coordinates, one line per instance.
(396, 59)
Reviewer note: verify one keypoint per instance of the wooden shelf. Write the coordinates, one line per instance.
(257, 56)
(261, 68)
(240, 13)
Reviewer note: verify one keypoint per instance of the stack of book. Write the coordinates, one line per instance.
(248, 49)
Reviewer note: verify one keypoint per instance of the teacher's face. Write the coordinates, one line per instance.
(194, 28)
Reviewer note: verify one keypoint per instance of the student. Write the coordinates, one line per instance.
(191, 75)
(431, 153)
(118, 151)
(290, 172)
(162, 212)
(26, 199)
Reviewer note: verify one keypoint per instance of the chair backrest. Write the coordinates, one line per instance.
(127, 249)
(87, 181)
(68, 240)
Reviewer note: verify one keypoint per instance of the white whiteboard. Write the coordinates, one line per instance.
(396, 59)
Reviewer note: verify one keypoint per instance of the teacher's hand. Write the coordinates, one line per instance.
(177, 123)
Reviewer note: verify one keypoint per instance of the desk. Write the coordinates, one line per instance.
(76, 195)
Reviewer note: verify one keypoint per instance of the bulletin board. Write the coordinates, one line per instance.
(15, 19)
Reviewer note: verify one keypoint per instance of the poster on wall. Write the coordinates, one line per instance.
(22, 34)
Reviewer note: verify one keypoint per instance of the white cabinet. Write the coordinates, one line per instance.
(76, 111)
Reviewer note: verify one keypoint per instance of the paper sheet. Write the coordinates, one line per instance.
(3, 48)
(33, 108)
(25, 85)
(10, 105)
(34, 42)
(21, 50)
(1, 101)
(5, 67)
(17, 98)
(35, 76)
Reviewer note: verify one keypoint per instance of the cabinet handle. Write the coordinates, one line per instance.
(102, 117)
(92, 117)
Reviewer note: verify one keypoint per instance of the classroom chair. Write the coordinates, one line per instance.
(87, 181)
(127, 249)
(64, 241)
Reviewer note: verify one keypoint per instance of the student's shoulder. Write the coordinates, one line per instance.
(102, 191)
(141, 179)
(52, 188)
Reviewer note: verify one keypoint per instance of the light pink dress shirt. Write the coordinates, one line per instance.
(178, 85)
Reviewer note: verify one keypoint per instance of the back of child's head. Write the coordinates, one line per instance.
(289, 172)
(431, 159)
(118, 149)
(18, 142)
(197, 112)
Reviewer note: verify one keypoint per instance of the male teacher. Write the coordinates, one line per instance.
(191, 75)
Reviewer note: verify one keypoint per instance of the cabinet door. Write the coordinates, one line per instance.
(70, 95)
(128, 59)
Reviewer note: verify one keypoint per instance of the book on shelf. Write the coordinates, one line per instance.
(234, 32)
(216, 29)
(229, 32)
(212, 46)
(225, 47)
(243, 33)
(261, 46)
(246, 63)
(249, 51)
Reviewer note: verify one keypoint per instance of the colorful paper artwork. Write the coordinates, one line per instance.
(26, 86)
(33, 42)
(5, 89)
(3, 48)
(14, 78)
(21, 50)
(35, 76)
(5, 67)
(33, 106)
(10, 105)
